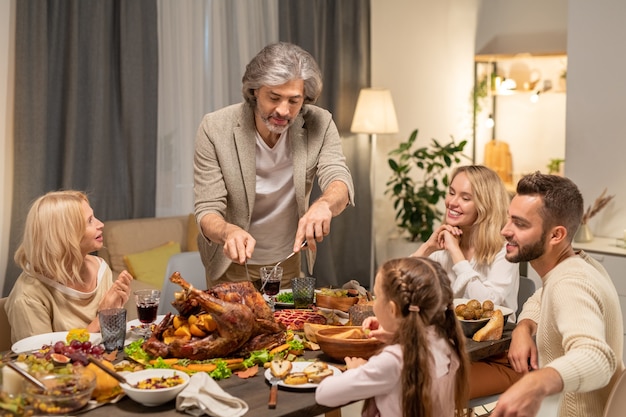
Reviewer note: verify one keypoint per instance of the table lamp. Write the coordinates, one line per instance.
(374, 114)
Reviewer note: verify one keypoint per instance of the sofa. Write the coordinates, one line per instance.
(146, 243)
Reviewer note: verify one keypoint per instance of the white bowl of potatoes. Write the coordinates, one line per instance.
(474, 314)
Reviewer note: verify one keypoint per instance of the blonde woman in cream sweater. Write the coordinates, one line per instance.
(575, 317)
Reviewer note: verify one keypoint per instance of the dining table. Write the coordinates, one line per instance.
(292, 402)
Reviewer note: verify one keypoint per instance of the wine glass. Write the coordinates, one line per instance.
(270, 279)
(147, 306)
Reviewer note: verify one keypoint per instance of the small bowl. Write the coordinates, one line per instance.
(336, 303)
(153, 397)
(66, 393)
(338, 348)
(472, 326)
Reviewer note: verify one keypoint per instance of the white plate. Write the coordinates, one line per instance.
(278, 303)
(36, 342)
(299, 367)
(284, 305)
(136, 330)
(505, 310)
(136, 324)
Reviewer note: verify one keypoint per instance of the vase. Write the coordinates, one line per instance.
(583, 234)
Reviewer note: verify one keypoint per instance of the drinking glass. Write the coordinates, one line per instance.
(113, 328)
(303, 291)
(147, 305)
(270, 280)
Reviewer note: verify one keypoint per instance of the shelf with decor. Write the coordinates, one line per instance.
(519, 112)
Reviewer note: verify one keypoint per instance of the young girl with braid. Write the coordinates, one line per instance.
(422, 370)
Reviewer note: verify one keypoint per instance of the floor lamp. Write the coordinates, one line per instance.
(374, 114)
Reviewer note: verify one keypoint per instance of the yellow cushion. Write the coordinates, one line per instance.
(192, 234)
(150, 266)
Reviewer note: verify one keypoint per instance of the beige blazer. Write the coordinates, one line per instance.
(225, 169)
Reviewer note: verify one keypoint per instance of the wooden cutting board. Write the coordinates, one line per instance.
(498, 157)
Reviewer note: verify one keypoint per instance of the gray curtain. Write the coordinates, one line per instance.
(337, 34)
(85, 107)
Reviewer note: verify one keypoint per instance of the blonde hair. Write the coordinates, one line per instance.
(492, 201)
(55, 226)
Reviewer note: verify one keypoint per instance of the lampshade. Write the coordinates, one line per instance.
(374, 112)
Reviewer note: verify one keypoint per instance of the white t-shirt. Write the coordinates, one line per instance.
(275, 215)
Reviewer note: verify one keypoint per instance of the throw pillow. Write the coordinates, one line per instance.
(192, 234)
(150, 266)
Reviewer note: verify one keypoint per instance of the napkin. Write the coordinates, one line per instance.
(356, 285)
(204, 396)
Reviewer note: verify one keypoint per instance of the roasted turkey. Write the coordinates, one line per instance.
(244, 322)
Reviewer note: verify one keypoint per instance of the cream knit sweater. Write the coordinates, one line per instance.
(579, 332)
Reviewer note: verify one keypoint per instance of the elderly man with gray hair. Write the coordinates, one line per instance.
(254, 168)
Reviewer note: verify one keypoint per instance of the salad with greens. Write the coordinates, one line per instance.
(285, 297)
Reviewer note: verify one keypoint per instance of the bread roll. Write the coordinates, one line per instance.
(315, 367)
(317, 377)
(296, 378)
(492, 330)
(317, 371)
(280, 368)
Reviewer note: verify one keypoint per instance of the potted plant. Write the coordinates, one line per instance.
(415, 201)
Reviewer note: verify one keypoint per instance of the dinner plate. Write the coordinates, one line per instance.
(283, 305)
(278, 303)
(137, 325)
(299, 367)
(36, 342)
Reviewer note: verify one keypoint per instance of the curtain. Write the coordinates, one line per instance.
(204, 46)
(337, 34)
(85, 107)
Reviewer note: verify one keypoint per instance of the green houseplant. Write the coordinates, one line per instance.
(415, 201)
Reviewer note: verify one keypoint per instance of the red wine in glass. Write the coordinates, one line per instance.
(147, 313)
(272, 287)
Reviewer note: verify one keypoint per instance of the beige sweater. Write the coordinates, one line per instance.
(579, 333)
(39, 305)
(225, 170)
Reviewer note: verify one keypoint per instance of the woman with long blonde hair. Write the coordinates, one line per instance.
(62, 286)
(469, 246)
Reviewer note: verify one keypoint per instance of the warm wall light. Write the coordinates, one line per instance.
(374, 114)
(490, 123)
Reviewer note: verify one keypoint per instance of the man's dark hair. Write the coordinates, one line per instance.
(562, 201)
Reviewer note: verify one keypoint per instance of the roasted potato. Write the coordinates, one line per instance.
(458, 310)
(474, 304)
(474, 310)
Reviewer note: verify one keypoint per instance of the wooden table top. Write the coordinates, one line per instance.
(291, 403)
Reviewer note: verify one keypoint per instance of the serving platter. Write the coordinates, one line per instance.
(32, 343)
(299, 367)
